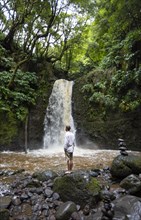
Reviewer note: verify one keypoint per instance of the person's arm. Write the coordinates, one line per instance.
(73, 140)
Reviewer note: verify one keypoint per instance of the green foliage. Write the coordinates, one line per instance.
(44, 28)
(119, 91)
(97, 39)
(8, 126)
(22, 96)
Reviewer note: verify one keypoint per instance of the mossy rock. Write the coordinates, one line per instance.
(122, 166)
(4, 214)
(81, 189)
(93, 186)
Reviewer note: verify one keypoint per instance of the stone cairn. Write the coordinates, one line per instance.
(122, 147)
(107, 210)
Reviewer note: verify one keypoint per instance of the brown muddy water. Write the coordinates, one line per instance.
(54, 159)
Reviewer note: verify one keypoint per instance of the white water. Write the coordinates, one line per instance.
(58, 114)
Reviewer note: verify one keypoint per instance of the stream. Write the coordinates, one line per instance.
(47, 159)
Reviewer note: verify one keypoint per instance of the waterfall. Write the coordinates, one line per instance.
(58, 114)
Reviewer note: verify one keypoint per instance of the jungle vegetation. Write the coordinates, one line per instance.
(99, 40)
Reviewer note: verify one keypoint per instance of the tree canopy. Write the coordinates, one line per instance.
(97, 39)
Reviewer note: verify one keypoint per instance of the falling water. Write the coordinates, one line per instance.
(58, 114)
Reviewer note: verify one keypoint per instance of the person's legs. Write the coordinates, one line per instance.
(69, 161)
(68, 164)
(71, 164)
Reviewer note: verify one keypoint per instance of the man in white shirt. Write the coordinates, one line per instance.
(69, 144)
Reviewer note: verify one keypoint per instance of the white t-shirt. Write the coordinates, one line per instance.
(69, 142)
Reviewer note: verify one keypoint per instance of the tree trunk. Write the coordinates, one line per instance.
(26, 134)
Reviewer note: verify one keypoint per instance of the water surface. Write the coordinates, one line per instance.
(54, 159)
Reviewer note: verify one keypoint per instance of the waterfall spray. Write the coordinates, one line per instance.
(58, 114)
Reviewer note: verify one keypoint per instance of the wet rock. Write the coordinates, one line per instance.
(132, 184)
(19, 171)
(107, 210)
(65, 210)
(45, 175)
(124, 166)
(80, 188)
(48, 193)
(24, 196)
(96, 216)
(52, 217)
(16, 201)
(5, 202)
(4, 189)
(86, 210)
(55, 196)
(4, 214)
(76, 216)
(108, 193)
(32, 183)
(128, 207)
(94, 174)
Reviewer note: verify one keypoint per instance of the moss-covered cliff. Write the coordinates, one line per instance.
(93, 125)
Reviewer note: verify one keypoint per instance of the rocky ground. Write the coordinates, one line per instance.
(100, 194)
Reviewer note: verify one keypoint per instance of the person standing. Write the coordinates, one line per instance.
(69, 144)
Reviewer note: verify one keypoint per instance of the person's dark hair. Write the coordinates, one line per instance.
(68, 128)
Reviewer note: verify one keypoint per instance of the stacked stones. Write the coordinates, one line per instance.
(107, 211)
(122, 147)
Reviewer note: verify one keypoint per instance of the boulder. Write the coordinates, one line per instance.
(128, 207)
(78, 187)
(132, 184)
(5, 202)
(65, 210)
(4, 214)
(123, 166)
(45, 175)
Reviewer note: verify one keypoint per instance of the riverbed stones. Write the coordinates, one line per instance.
(43, 201)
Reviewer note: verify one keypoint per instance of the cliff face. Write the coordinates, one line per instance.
(94, 130)
(104, 130)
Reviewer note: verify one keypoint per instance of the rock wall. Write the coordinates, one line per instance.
(103, 130)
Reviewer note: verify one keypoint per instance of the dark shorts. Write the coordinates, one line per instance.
(69, 155)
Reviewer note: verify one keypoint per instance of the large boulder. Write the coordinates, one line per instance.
(78, 187)
(126, 207)
(132, 184)
(123, 166)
